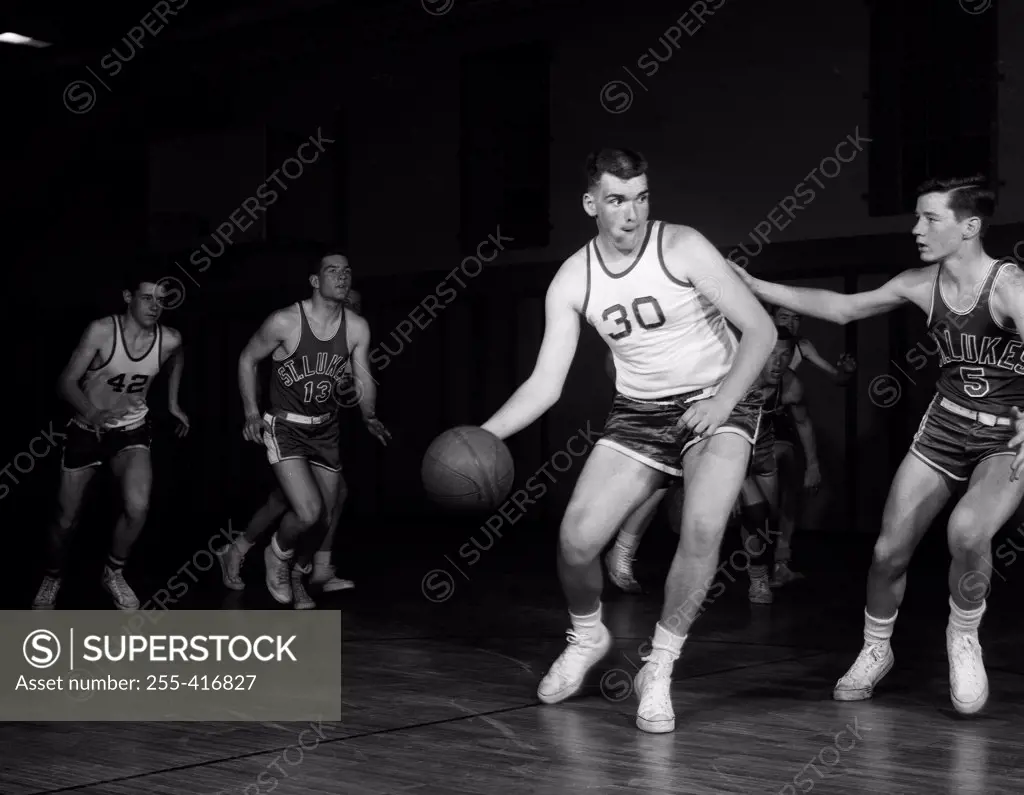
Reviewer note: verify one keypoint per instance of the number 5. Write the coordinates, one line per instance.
(975, 384)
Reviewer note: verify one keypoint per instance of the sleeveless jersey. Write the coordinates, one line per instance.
(981, 362)
(305, 381)
(121, 380)
(798, 357)
(665, 336)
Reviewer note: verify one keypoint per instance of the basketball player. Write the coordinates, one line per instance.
(106, 381)
(660, 295)
(975, 309)
(782, 398)
(231, 556)
(319, 349)
(797, 474)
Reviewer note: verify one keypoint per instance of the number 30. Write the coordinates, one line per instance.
(621, 316)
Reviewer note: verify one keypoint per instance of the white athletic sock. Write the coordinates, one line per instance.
(280, 553)
(878, 630)
(322, 558)
(758, 573)
(242, 544)
(965, 622)
(585, 625)
(665, 646)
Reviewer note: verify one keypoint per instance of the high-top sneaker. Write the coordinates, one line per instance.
(653, 687)
(587, 647)
(760, 592)
(278, 579)
(620, 571)
(300, 596)
(874, 662)
(231, 560)
(968, 682)
(784, 575)
(124, 596)
(327, 581)
(46, 596)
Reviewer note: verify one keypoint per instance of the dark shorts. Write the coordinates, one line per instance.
(318, 444)
(648, 430)
(953, 444)
(82, 450)
(762, 459)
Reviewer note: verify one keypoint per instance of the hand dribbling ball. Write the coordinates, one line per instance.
(467, 468)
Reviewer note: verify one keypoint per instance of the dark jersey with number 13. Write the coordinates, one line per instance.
(981, 362)
(307, 381)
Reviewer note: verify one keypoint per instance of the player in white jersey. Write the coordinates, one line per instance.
(660, 295)
(106, 382)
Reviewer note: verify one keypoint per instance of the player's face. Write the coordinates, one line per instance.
(335, 279)
(621, 209)
(937, 232)
(144, 304)
(355, 301)
(778, 362)
(788, 320)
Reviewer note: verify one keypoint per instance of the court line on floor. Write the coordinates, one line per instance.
(393, 730)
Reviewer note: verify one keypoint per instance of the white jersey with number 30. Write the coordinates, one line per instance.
(124, 381)
(666, 337)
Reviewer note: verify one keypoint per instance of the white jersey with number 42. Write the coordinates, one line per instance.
(123, 381)
(666, 337)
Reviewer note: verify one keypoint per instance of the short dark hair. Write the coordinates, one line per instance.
(621, 163)
(144, 270)
(968, 196)
(318, 263)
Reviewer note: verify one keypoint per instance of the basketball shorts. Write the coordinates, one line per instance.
(762, 459)
(81, 449)
(649, 431)
(953, 440)
(298, 436)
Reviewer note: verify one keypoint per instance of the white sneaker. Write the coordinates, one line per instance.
(566, 675)
(874, 662)
(620, 572)
(760, 592)
(231, 560)
(653, 686)
(124, 596)
(968, 682)
(327, 581)
(301, 599)
(46, 596)
(278, 580)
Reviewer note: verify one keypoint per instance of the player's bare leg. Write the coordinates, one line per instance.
(790, 500)
(611, 486)
(73, 485)
(232, 556)
(324, 576)
(714, 470)
(758, 499)
(917, 495)
(306, 508)
(619, 560)
(132, 467)
(327, 482)
(991, 499)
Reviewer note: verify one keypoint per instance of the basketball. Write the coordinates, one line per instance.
(468, 468)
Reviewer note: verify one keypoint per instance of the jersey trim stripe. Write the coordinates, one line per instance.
(977, 298)
(586, 295)
(992, 289)
(127, 352)
(113, 348)
(639, 256)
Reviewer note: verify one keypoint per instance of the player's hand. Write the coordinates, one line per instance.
(377, 430)
(254, 428)
(182, 418)
(1017, 441)
(812, 478)
(742, 273)
(704, 416)
(846, 367)
(101, 419)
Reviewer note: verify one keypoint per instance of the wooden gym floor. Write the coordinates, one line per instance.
(439, 697)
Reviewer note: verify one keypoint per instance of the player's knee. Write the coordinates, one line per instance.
(308, 513)
(136, 506)
(890, 557)
(576, 544)
(967, 531)
(702, 533)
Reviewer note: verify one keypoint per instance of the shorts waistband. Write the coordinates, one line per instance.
(131, 426)
(671, 400)
(300, 419)
(978, 416)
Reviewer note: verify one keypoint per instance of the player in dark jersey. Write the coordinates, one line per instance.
(232, 556)
(106, 382)
(975, 308)
(319, 350)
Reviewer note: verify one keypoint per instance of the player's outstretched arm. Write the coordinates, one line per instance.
(690, 257)
(91, 343)
(841, 308)
(365, 384)
(542, 389)
(271, 334)
(173, 341)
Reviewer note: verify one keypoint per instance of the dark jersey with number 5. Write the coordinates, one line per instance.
(981, 362)
(122, 381)
(666, 336)
(309, 380)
